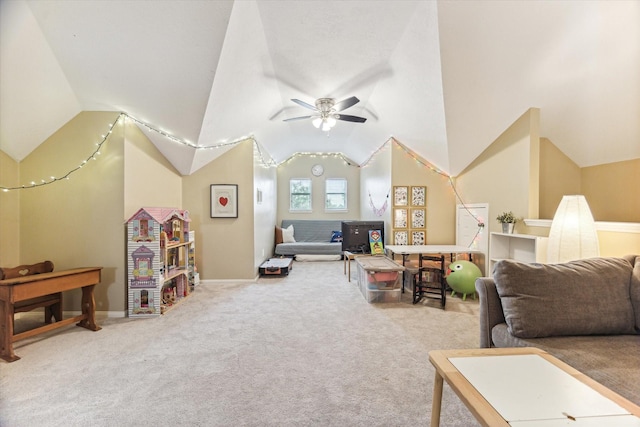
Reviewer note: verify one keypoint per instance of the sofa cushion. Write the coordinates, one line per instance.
(584, 297)
(313, 230)
(278, 236)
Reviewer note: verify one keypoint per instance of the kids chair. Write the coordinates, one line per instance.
(430, 280)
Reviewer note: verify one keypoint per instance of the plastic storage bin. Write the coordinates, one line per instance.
(379, 279)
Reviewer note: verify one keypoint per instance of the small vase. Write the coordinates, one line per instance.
(507, 227)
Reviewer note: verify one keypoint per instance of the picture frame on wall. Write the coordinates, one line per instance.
(418, 237)
(419, 196)
(400, 218)
(224, 201)
(401, 237)
(418, 218)
(400, 195)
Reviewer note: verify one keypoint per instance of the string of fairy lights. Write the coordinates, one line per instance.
(263, 158)
(424, 163)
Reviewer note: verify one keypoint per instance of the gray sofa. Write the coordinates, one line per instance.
(585, 312)
(312, 237)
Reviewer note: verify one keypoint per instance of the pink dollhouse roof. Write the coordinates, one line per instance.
(162, 215)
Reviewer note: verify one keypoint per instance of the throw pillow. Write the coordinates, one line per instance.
(336, 236)
(584, 297)
(287, 235)
(278, 235)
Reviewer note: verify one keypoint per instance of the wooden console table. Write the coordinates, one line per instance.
(27, 287)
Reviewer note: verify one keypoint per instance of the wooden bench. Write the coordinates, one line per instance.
(52, 303)
(39, 290)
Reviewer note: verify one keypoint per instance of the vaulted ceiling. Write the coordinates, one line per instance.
(444, 78)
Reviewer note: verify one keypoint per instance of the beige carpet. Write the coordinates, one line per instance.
(302, 350)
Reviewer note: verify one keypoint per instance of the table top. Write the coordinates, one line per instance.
(45, 276)
(429, 249)
(528, 385)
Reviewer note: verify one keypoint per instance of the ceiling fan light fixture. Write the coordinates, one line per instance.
(331, 121)
(317, 122)
(326, 126)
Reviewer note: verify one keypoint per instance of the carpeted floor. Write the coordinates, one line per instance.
(302, 350)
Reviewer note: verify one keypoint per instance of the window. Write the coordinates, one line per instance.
(300, 194)
(336, 194)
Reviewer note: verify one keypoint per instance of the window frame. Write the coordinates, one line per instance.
(309, 194)
(344, 208)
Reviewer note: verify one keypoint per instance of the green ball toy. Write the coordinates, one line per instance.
(462, 276)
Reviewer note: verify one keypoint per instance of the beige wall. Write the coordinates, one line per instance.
(441, 202)
(501, 175)
(613, 191)
(150, 180)
(224, 246)
(334, 167)
(376, 187)
(559, 176)
(9, 212)
(264, 181)
(78, 222)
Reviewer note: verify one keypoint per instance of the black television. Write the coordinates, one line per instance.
(355, 235)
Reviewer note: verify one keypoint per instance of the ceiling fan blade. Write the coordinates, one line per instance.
(346, 103)
(297, 118)
(304, 104)
(348, 118)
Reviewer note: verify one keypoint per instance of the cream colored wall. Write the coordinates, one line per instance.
(334, 167)
(9, 212)
(224, 246)
(150, 179)
(78, 222)
(441, 203)
(501, 175)
(375, 189)
(265, 181)
(559, 176)
(613, 191)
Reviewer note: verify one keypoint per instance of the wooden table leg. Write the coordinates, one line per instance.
(344, 264)
(89, 309)
(6, 332)
(437, 400)
(54, 311)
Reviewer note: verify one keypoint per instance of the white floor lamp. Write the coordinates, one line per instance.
(573, 232)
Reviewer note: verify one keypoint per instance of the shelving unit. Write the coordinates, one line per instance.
(517, 247)
(161, 260)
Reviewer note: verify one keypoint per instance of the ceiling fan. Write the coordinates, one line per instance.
(327, 110)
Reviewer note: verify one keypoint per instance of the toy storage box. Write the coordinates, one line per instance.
(379, 279)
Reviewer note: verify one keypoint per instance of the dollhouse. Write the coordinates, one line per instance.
(160, 260)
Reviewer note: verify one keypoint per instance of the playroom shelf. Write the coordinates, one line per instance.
(517, 247)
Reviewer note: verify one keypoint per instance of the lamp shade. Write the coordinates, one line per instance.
(573, 232)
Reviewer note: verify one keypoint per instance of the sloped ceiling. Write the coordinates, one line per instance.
(444, 78)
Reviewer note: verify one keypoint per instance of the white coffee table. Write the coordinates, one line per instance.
(526, 387)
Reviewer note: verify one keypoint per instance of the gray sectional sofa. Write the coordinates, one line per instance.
(585, 312)
(312, 237)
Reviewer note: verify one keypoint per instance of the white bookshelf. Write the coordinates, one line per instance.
(517, 247)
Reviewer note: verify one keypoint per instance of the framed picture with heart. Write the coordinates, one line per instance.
(224, 201)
